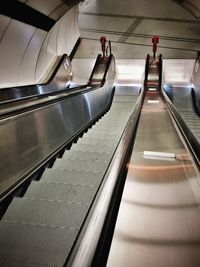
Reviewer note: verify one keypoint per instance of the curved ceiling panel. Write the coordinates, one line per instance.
(59, 12)
(41, 14)
(44, 6)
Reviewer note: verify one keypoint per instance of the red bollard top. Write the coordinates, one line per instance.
(103, 39)
(155, 39)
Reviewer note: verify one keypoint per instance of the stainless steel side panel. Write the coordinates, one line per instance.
(27, 139)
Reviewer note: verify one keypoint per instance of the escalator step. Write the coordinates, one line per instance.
(46, 213)
(110, 125)
(61, 192)
(31, 245)
(94, 142)
(79, 155)
(91, 148)
(109, 131)
(80, 165)
(74, 177)
(101, 136)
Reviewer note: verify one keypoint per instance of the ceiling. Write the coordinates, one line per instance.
(39, 13)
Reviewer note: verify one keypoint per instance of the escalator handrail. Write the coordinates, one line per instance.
(85, 247)
(160, 70)
(62, 94)
(95, 65)
(99, 58)
(26, 87)
(191, 141)
(49, 80)
(146, 70)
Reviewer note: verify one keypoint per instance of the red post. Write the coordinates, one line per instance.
(103, 41)
(155, 41)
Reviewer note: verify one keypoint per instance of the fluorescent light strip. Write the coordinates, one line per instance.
(153, 101)
(152, 89)
(159, 154)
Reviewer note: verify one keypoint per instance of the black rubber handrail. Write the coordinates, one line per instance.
(160, 70)
(26, 88)
(33, 87)
(95, 65)
(146, 70)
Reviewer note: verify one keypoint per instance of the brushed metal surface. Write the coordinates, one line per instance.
(159, 220)
(56, 206)
(27, 139)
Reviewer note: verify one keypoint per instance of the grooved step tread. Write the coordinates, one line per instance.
(30, 245)
(94, 142)
(48, 213)
(80, 165)
(61, 192)
(74, 177)
(80, 155)
(93, 148)
(101, 136)
(182, 99)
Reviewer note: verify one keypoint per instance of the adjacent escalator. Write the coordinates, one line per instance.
(183, 101)
(34, 131)
(40, 228)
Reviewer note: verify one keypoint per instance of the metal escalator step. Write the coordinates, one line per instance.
(80, 165)
(33, 246)
(91, 148)
(92, 141)
(193, 123)
(61, 192)
(101, 136)
(46, 213)
(112, 129)
(110, 124)
(79, 155)
(74, 177)
(108, 131)
(122, 106)
(118, 114)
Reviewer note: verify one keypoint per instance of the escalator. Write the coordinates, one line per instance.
(158, 220)
(183, 101)
(40, 227)
(35, 131)
(104, 203)
(58, 79)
